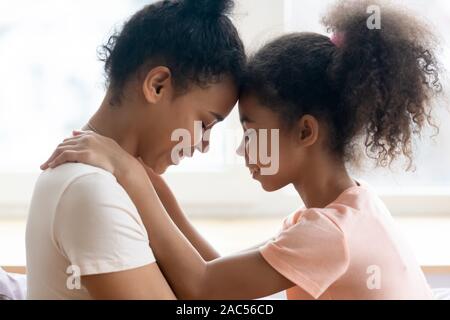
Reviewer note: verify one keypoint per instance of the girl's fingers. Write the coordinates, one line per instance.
(71, 156)
(72, 141)
(77, 133)
(55, 153)
(45, 165)
(66, 146)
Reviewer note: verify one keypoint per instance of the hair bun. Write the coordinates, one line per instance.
(208, 8)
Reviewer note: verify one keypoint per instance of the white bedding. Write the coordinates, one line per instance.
(441, 294)
(12, 286)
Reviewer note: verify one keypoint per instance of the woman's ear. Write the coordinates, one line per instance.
(308, 128)
(157, 83)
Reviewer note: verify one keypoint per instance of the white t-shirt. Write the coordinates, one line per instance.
(81, 222)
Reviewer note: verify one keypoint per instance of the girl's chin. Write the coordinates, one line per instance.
(268, 183)
(269, 188)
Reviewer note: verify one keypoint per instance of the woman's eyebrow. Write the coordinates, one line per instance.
(245, 119)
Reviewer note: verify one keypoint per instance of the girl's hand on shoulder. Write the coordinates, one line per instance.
(93, 149)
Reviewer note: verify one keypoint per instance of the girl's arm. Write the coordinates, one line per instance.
(242, 276)
(175, 212)
(181, 220)
(77, 144)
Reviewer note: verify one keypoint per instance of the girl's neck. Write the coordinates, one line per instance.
(323, 183)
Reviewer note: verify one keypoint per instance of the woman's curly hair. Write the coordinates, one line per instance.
(374, 84)
(195, 39)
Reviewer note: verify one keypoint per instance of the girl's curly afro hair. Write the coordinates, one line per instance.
(371, 83)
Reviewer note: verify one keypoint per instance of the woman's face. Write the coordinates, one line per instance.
(182, 124)
(278, 164)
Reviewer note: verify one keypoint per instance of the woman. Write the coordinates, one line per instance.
(175, 64)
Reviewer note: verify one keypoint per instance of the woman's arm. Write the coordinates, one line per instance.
(145, 283)
(175, 212)
(242, 276)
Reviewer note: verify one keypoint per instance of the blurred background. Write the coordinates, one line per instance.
(52, 82)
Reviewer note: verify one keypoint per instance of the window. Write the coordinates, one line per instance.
(432, 154)
(52, 83)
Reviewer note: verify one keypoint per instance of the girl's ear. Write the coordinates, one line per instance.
(157, 83)
(308, 128)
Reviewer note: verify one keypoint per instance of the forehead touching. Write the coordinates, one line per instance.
(218, 98)
(254, 114)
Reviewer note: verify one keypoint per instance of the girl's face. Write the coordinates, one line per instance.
(279, 164)
(181, 124)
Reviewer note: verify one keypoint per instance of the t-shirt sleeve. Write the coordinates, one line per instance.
(98, 228)
(312, 253)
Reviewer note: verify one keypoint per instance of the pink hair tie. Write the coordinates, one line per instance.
(337, 39)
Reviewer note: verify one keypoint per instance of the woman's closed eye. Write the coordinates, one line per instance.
(210, 125)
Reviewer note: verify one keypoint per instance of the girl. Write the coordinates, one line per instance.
(364, 87)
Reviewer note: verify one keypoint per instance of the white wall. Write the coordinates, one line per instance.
(259, 21)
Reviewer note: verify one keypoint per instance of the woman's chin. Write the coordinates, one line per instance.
(162, 167)
(158, 167)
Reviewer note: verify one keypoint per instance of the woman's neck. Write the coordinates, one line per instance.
(323, 182)
(115, 123)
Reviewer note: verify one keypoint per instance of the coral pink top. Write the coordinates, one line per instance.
(349, 250)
